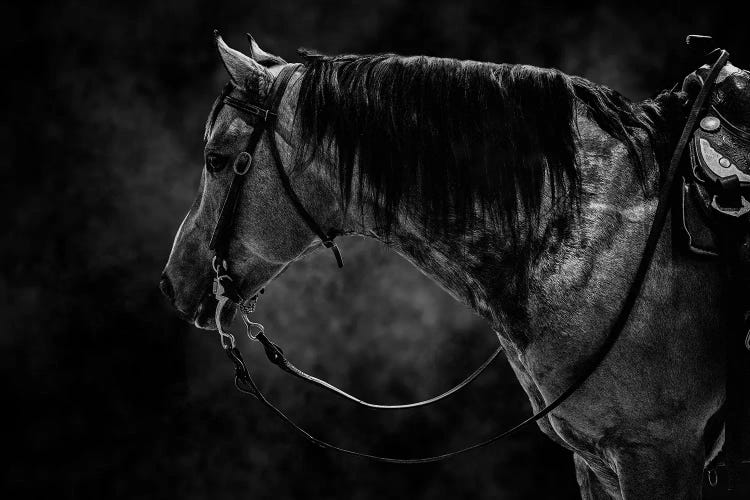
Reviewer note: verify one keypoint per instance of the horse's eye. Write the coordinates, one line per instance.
(215, 163)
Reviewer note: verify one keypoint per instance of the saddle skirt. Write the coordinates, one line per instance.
(718, 181)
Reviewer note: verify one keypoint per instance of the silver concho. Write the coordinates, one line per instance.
(710, 123)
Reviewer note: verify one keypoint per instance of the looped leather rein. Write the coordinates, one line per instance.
(275, 355)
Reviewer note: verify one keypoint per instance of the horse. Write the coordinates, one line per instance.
(524, 192)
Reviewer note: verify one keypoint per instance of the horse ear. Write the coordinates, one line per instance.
(244, 72)
(261, 55)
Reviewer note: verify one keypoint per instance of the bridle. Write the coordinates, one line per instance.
(223, 287)
(225, 291)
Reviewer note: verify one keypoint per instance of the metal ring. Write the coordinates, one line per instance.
(713, 477)
(227, 344)
(249, 325)
(225, 338)
(247, 163)
(216, 266)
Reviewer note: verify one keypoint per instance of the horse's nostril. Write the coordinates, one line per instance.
(166, 287)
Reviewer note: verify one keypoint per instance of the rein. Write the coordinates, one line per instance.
(225, 290)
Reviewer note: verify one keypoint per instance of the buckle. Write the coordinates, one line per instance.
(242, 157)
(268, 114)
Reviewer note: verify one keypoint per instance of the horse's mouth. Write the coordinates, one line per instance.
(205, 314)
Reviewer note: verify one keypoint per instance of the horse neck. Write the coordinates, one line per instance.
(474, 266)
(482, 269)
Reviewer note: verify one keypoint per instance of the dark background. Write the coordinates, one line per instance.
(109, 395)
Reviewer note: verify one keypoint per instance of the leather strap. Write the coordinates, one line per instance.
(276, 355)
(222, 231)
(246, 385)
(327, 239)
(263, 113)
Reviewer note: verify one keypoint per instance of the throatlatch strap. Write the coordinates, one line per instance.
(245, 383)
(327, 239)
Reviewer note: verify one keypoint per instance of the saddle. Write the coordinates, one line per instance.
(717, 181)
(711, 218)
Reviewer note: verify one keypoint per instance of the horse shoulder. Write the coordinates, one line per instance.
(576, 291)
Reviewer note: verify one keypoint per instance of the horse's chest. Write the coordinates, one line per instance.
(663, 370)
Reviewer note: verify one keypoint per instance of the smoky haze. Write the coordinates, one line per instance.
(111, 396)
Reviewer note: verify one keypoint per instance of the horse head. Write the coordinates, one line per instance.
(265, 232)
(524, 192)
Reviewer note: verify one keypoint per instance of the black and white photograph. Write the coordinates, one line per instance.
(394, 249)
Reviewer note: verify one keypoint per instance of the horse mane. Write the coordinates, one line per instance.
(455, 143)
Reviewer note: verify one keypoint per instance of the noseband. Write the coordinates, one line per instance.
(225, 291)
